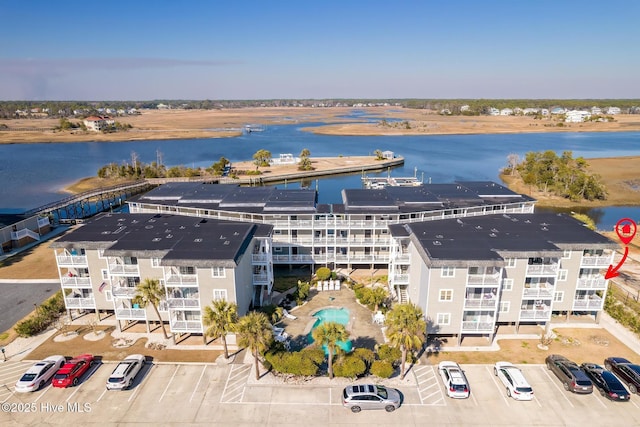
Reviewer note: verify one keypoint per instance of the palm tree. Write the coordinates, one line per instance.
(377, 296)
(406, 329)
(254, 332)
(305, 153)
(329, 333)
(221, 319)
(150, 291)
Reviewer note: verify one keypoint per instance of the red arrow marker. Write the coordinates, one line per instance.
(613, 271)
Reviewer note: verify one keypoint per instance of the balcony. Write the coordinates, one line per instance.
(480, 303)
(72, 260)
(79, 303)
(294, 258)
(542, 270)
(181, 303)
(259, 258)
(186, 326)
(401, 257)
(478, 326)
(75, 282)
(124, 292)
(542, 291)
(591, 283)
(260, 279)
(595, 261)
(181, 280)
(536, 314)
(124, 269)
(483, 279)
(130, 313)
(400, 279)
(593, 303)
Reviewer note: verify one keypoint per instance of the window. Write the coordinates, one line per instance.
(219, 294)
(108, 295)
(448, 272)
(105, 274)
(217, 272)
(277, 249)
(505, 306)
(511, 262)
(155, 262)
(566, 254)
(507, 284)
(187, 270)
(558, 296)
(443, 319)
(446, 295)
(163, 306)
(562, 275)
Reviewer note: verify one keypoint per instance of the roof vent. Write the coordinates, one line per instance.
(156, 239)
(459, 221)
(506, 216)
(493, 230)
(222, 237)
(544, 229)
(437, 243)
(226, 242)
(478, 227)
(106, 232)
(439, 236)
(152, 220)
(198, 240)
(235, 233)
(527, 221)
(169, 236)
(148, 227)
(182, 227)
(493, 235)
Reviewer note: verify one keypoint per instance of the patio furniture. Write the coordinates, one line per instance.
(331, 284)
(288, 315)
(336, 285)
(325, 286)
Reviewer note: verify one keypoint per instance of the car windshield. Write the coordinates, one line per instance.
(382, 392)
(459, 387)
(524, 389)
(28, 377)
(60, 376)
(583, 382)
(115, 379)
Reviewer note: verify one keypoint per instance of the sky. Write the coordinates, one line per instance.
(309, 49)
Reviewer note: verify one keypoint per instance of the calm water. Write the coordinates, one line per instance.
(33, 174)
(338, 315)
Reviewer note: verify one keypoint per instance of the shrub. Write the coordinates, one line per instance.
(323, 273)
(350, 366)
(302, 291)
(389, 354)
(45, 315)
(296, 363)
(382, 368)
(366, 355)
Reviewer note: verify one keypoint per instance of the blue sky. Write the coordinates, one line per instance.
(143, 50)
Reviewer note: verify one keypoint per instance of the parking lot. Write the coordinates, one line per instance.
(228, 395)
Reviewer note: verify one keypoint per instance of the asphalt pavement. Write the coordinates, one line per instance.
(19, 299)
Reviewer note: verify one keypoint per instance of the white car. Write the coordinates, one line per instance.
(513, 379)
(38, 375)
(454, 380)
(123, 375)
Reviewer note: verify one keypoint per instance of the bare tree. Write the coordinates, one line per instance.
(512, 162)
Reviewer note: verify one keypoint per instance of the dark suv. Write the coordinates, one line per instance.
(572, 377)
(626, 371)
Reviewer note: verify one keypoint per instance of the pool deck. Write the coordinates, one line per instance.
(363, 331)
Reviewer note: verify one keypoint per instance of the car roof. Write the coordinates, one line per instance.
(133, 357)
(361, 389)
(516, 375)
(593, 366)
(53, 359)
(619, 360)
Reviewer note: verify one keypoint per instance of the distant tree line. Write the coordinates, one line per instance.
(562, 175)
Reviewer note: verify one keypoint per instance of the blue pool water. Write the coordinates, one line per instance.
(338, 315)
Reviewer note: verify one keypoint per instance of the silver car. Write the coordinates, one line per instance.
(370, 396)
(37, 376)
(123, 375)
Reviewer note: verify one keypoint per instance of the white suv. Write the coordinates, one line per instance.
(122, 377)
(454, 380)
(513, 379)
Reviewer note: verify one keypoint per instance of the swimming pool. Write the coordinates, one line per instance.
(338, 315)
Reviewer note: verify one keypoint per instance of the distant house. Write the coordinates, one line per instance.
(162, 106)
(613, 110)
(596, 111)
(544, 112)
(389, 155)
(530, 111)
(285, 159)
(576, 116)
(494, 111)
(98, 123)
(558, 110)
(465, 108)
(506, 112)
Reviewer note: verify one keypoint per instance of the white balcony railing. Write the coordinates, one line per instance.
(483, 279)
(595, 261)
(75, 282)
(79, 303)
(592, 283)
(400, 279)
(124, 292)
(477, 326)
(538, 293)
(131, 313)
(478, 303)
(259, 257)
(178, 303)
(535, 314)
(399, 257)
(542, 270)
(594, 303)
(122, 269)
(181, 280)
(186, 326)
(72, 260)
(260, 279)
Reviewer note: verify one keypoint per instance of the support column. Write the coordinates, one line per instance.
(459, 340)
(598, 316)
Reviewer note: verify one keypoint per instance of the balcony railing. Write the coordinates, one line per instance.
(260, 279)
(538, 293)
(122, 269)
(124, 292)
(483, 279)
(478, 326)
(183, 303)
(535, 314)
(181, 280)
(594, 303)
(400, 257)
(131, 314)
(259, 257)
(293, 258)
(76, 282)
(186, 326)
(592, 283)
(542, 270)
(596, 261)
(76, 303)
(476, 303)
(400, 279)
(72, 260)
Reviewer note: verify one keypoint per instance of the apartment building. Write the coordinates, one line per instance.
(196, 259)
(351, 234)
(471, 275)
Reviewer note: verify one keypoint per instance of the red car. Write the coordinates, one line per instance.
(71, 371)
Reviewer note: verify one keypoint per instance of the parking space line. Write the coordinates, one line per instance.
(473, 398)
(43, 393)
(103, 392)
(553, 381)
(500, 390)
(537, 400)
(426, 379)
(169, 383)
(594, 395)
(87, 375)
(144, 381)
(235, 385)
(634, 403)
(198, 383)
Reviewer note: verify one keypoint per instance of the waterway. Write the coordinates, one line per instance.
(34, 174)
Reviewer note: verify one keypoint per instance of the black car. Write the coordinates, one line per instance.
(626, 371)
(608, 384)
(572, 377)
